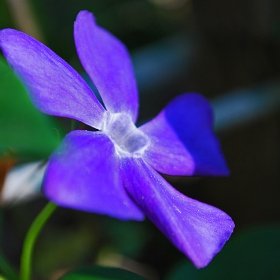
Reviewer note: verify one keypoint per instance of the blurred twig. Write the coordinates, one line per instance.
(24, 19)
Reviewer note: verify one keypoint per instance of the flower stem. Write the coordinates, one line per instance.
(29, 242)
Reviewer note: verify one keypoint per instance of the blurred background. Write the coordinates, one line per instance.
(227, 50)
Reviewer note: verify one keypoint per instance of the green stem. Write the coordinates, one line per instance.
(29, 242)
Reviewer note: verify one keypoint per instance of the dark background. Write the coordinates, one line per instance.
(218, 48)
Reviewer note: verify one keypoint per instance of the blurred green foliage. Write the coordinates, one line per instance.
(251, 255)
(5, 16)
(101, 273)
(25, 132)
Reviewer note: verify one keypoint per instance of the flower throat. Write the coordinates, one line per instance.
(128, 139)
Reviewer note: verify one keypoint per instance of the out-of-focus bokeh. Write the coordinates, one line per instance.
(227, 50)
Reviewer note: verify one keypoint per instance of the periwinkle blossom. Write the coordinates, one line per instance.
(114, 170)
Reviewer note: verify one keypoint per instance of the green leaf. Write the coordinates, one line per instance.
(101, 273)
(126, 237)
(24, 130)
(253, 254)
(6, 269)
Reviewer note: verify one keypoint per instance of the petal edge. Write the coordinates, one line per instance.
(197, 229)
(108, 64)
(183, 138)
(83, 174)
(53, 85)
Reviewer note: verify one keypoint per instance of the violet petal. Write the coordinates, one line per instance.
(108, 64)
(53, 85)
(84, 174)
(182, 139)
(197, 229)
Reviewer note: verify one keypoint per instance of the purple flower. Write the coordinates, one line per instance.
(114, 170)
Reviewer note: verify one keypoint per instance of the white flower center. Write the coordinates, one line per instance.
(128, 139)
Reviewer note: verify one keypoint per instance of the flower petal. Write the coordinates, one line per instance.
(84, 174)
(54, 86)
(182, 139)
(108, 64)
(197, 229)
